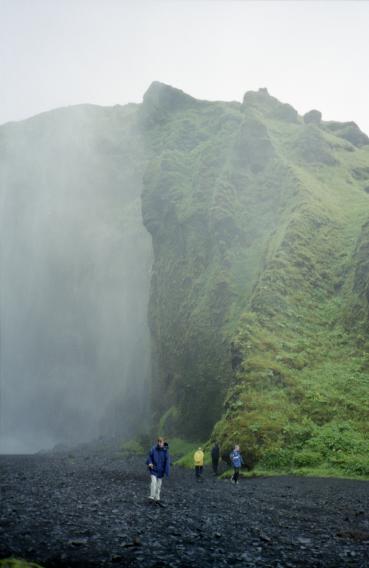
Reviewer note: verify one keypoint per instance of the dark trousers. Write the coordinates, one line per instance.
(236, 474)
(198, 471)
(215, 466)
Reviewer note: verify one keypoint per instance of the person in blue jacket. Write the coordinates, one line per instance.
(237, 462)
(158, 462)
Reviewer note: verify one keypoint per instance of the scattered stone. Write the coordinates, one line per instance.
(266, 523)
(354, 535)
(78, 542)
(304, 540)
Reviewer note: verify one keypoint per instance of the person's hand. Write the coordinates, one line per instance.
(150, 465)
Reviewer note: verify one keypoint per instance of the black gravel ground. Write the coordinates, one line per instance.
(60, 510)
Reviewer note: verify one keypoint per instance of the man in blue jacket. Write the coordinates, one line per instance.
(237, 462)
(158, 462)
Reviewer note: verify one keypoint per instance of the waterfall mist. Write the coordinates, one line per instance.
(74, 284)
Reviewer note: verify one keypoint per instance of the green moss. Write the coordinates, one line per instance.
(187, 459)
(17, 563)
(259, 303)
(179, 447)
(133, 447)
(167, 422)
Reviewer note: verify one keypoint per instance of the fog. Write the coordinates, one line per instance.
(75, 271)
(308, 53)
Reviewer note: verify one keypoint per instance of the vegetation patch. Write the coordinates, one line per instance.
(17, 563)
(259, 300)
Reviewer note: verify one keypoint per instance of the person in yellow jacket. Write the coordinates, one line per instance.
(198, 459)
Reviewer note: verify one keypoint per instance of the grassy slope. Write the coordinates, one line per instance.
(301, 394)
(255, 219)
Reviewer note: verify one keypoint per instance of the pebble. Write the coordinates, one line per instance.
(94, 512)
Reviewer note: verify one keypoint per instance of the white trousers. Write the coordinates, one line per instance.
(155, 488)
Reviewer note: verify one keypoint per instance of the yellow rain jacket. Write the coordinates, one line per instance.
(198, 457)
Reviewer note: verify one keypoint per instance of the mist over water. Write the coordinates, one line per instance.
(75, 271)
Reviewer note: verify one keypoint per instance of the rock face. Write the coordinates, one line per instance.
(201, 205)
(349, 131)
(271, 107)
(250, 207)
(312, 148)
(258, 298)
(361, 274)
(313, 117)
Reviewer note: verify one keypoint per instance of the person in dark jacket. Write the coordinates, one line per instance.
(215, 453)
(237, 462)
(158, 462)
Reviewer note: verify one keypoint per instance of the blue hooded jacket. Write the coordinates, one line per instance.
(159, 457)
(236, 458)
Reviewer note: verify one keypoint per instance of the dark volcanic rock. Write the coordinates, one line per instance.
(63, 512)
(349, 131)
(313, 117)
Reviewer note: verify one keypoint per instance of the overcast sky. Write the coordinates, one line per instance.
(311, 54)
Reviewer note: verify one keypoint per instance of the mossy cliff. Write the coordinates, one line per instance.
(259, 221)
(259, 295)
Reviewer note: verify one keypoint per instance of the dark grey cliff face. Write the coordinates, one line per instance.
(75, 270)
(358, 314)
(230, 195)
(208, 218)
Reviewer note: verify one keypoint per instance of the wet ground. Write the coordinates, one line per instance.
(64, 510)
